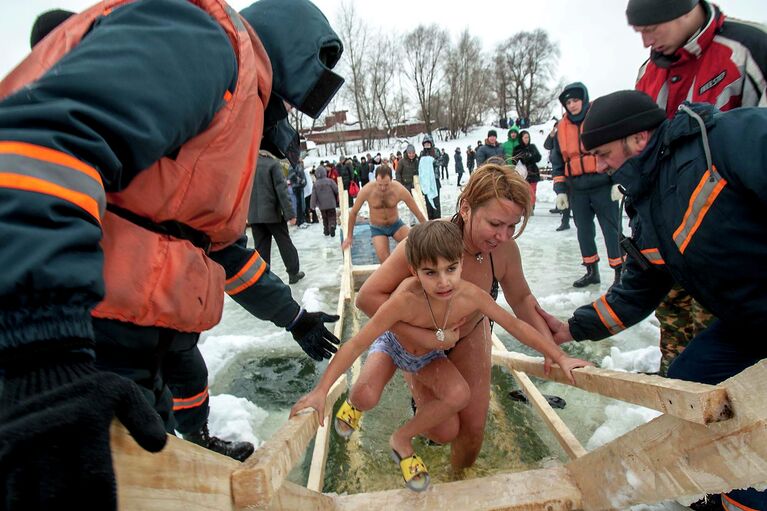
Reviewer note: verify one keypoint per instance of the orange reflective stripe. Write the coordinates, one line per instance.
(608, 317)
(247, 276)
(33, 184)
(34, 168)
(731, 505)
(615, 261)
(227, 96)
(653, 255)
(190, 402)
(591, 259)
(559, 179)
(704, 195)
(50, 155)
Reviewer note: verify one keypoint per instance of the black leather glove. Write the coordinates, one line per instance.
(310, 333)
(54, 435)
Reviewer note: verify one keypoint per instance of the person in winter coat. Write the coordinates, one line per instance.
(325, 197)
(433, 205)
(695, 193)
(511, 143)
(490, 148)
(309, 213)
(444, 161)
(458, 165)
(132, 221)
(297, 180)
(592, 193)
(692, 58)
(407, 168)
(471, 158)
(529, 156)
(346, 172)
(269, 213)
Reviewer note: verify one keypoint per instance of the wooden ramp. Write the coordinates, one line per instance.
(709, 439)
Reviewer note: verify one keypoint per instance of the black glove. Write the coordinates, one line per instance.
(54, 435)
(310, 333)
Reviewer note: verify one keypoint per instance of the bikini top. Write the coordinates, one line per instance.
(494, 285)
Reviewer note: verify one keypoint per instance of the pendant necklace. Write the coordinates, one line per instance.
(440, 332)
(478, 256)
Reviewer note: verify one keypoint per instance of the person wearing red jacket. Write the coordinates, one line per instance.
(128, 140)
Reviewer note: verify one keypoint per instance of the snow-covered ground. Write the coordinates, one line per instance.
(262, 365)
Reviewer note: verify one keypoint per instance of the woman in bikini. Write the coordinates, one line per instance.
(492, 212)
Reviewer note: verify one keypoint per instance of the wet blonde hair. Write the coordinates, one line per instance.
(431, 240)
(494, 181)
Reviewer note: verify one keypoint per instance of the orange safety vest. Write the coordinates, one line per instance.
(153, 279)
(577, 162)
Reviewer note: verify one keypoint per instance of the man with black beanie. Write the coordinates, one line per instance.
(591, 193)
(697, 54)
(695, 191)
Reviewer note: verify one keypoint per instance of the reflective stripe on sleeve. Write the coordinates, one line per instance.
(653, 256)
(709, 187)
(607, 316)
(39, 169)
(247, 276)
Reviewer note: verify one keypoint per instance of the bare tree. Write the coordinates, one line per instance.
(386, 91)
(424, 48)
(467, 77)
(355, 61)
(529, 61)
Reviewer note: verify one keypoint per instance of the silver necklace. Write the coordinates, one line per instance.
(439, 332)
(478, 256)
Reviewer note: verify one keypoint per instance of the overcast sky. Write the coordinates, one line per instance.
(597, 46)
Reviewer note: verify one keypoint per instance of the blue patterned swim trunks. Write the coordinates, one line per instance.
(403, 359)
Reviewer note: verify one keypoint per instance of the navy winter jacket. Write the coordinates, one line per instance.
(702, 229)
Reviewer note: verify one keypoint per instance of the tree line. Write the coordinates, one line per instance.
(449, 84)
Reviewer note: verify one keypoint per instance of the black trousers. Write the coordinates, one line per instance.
(311, 214)
(262, 239)
(585, 205)
(165, 363)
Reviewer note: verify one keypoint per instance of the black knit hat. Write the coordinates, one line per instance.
(641, 13)
(46, 22)
(619, 115)
(492, 133)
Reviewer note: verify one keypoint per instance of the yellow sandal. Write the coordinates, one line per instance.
(347, 420)
(414, 471)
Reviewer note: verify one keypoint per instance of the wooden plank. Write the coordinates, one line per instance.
(550, 489)
(694, 402)
(561, 432)
(256, 482)
(292, 496)
(361, 273)
(671, 458)
(322, 440)
(182, 477)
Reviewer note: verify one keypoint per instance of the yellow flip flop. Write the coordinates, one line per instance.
(414, 471)
(347, 420)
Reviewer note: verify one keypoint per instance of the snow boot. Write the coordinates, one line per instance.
(591, 277)
(295, 277)
(236, 450)
(563, 226)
